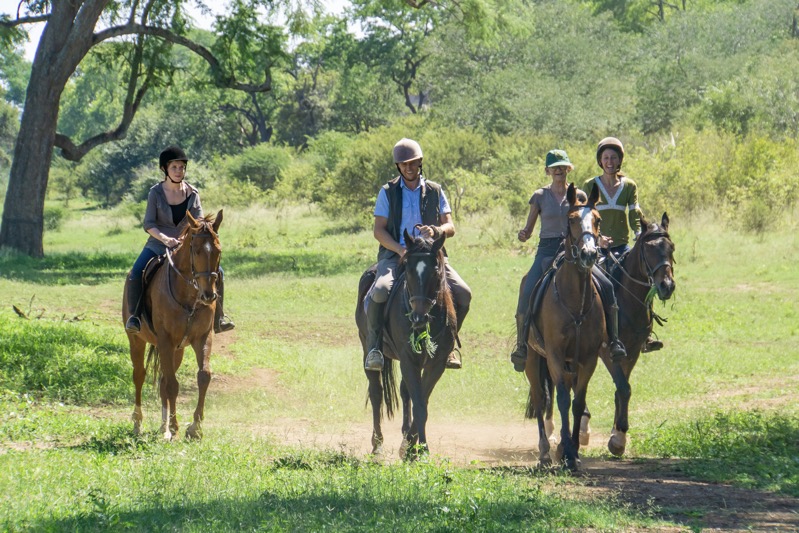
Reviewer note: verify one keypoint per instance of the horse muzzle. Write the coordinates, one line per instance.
(587, 257)
(208, 298)
(665, 288)
(419, 320)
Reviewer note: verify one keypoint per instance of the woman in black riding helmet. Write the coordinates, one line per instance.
(164, 220)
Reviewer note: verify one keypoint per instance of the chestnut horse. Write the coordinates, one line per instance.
(419, 333)
(180, 301)
(571, 323)
(645, 271)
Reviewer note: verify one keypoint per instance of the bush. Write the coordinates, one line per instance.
(262, 165)
(53, 217)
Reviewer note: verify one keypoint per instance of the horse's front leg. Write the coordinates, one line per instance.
(137, 348)
(618, 434)
(376, 399)
(202, 350)
(413, 380)
(169, 389)
(430, 377)
(409, 435)
(563, 397)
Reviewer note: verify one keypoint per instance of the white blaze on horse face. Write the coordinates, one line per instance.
(587, 227)
(420, 266)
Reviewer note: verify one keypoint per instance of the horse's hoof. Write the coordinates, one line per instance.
(167, 435)
(136, 429)
(617, 443)
(571, 464)
(544, 462)
(404, 448)
(194, 432)
(585, 431)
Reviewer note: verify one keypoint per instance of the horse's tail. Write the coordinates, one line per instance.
(545, 384)
(389, 388)
(153, 364)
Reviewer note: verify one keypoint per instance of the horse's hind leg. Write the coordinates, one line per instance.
(137, 347)
(376, 399)
(202, 349)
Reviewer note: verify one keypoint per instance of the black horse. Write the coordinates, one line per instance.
(645, 271)
(420, 332)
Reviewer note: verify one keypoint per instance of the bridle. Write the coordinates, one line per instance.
(412, 299)
(572, 249)
(650, 271)
(192, 282)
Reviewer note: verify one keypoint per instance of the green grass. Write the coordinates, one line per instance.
(69, 460)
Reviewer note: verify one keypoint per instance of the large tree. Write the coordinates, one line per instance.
(144, 31)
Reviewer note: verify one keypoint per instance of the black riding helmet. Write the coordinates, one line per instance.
(171, 153)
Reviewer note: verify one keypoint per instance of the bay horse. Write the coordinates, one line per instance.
(420, 332)
(643, 272)
(180, 301)
(571, 326)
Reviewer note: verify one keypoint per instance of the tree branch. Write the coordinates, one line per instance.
(221, 79)
(8, 23)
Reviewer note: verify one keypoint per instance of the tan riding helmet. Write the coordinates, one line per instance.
(407, 150)
(610, 142)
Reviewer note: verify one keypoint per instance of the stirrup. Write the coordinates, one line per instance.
(652, 345)
(454, 360)
(519, 358)
(224, 324)
(374, 360)
(133, 325)
(617, 351)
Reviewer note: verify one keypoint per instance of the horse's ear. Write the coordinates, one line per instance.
(644, 223)
(593, 198)
(408, 238)
(217, 221)
(192, 221)
(664, 222)
(571, 194)
(438, 243)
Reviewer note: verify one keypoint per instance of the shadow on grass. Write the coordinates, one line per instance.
(77, 268)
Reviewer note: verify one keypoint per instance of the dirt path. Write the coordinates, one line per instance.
(653, 486)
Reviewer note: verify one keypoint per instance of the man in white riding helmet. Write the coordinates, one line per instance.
(408, 202)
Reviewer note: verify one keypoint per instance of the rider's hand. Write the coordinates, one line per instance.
(171, 242)
(430, 232)
(605, 241)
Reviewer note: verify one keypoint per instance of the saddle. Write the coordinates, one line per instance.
(150, 269)
(537, 298)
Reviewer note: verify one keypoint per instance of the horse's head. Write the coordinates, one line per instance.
(583, 234)
(424, 276)
(200, 238)
(656, 251)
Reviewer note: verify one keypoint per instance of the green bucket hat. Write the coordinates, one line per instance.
(558, 158)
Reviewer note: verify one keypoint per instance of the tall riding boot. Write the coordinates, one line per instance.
(617, 350)
(135, 300)
(374, 335)
(519, 355)
(221, 321)
(454, 359)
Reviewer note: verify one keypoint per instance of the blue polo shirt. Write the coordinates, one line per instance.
(411, 208)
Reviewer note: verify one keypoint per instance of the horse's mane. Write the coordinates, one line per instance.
(206, 223)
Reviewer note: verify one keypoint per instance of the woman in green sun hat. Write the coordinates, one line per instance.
(548, 203)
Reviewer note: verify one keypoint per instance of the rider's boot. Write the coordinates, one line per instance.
(135, 292)
(519, 355)
(221, 321)
(617, 350)
(454, 359)
(652, 345)
(374, 335)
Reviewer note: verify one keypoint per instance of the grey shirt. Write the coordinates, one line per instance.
(552, 214)
(159, 215)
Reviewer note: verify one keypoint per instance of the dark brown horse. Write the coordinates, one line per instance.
(419, 333)
(180, 301)
(645, 271)
(571, 323)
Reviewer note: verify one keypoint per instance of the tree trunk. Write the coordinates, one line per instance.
(66, 39)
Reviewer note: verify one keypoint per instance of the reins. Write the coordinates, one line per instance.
(192, 283)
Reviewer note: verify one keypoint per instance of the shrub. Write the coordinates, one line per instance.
(53, 217)
(262, 165)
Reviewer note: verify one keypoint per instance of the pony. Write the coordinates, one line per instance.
(179, 311)
(643, 272)
(568, 333)
(420, 332)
